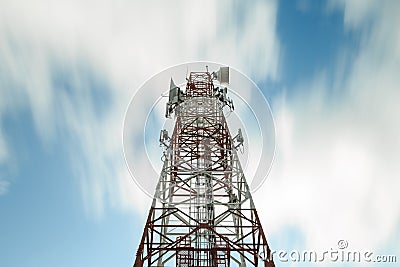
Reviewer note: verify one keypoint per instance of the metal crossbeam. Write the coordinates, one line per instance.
(202, 213)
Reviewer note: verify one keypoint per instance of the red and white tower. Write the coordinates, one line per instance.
(202, 212)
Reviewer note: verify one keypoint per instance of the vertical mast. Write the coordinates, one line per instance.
(202, 213)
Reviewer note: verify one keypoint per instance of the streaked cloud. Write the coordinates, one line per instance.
(76, 64)
(336, 172)
(60, 60)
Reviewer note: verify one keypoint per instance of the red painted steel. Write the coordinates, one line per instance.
(202, 213)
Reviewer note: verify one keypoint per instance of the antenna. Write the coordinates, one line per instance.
(239, 139)
(174, 98)
(173, 92)
(164, 138)
(221, 94)
(202, 212)
(222, 75)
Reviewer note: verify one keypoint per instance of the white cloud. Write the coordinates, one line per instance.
(123, 42)
(336, 171)
(3, 148)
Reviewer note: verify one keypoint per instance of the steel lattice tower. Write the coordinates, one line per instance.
(202, 212)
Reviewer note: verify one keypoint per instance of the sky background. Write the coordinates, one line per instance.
(68, 69)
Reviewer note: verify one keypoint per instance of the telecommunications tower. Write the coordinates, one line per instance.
(202, 214)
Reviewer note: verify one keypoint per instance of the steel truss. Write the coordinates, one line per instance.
(202, 212)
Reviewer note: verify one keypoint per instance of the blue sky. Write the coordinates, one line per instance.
(329, 70)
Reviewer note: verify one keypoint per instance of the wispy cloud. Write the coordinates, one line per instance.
(75, 65)
(336, 171)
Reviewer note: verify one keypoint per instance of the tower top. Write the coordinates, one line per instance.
(200, 84)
